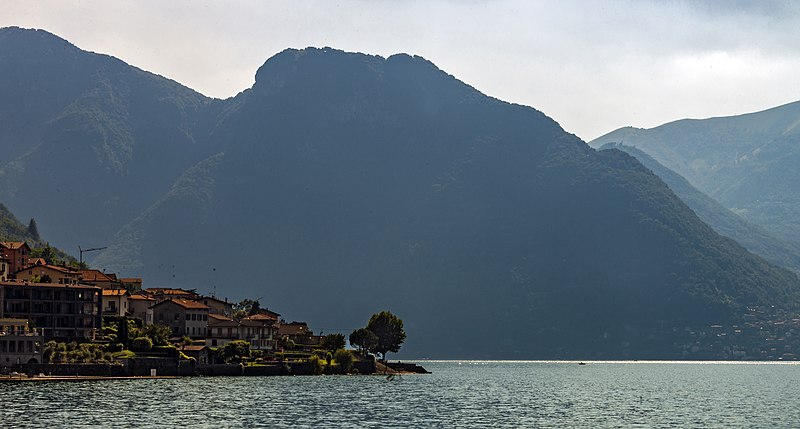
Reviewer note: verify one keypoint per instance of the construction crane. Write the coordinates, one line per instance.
(82, 251)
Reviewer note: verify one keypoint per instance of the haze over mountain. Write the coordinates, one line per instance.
(343, 183)
(724, 221)
(89, 137)
(746, 162)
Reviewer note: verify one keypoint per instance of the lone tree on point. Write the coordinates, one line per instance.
(389, 331)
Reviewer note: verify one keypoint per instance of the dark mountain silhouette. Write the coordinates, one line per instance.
(342, 184)
(746, 162)
(346, 183)
(724, 221)
(87, 141)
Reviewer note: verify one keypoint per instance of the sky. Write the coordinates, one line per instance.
(593, 66)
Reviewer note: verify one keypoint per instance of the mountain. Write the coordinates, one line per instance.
(347, 183)
(746, 162)
(87, 141)
(11, 229)
(724, 221)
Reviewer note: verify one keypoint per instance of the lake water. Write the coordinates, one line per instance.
(458, 394)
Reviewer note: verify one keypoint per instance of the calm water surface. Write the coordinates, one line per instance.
(457, 394)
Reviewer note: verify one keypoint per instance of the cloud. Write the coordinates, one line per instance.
(592, 65)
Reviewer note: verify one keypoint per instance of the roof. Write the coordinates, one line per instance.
(13, 245)
(262, 317)
(185, 303)
(95, 276)
(193, 348)
(36, 261)
(168, 291)
(141, 297)
(294, 328)
(114, 292)
(130, 280)
(268, 312)
(59, 268)
(212, 298)
(218, 317)
(260, 321)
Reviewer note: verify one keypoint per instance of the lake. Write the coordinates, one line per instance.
(458, 394)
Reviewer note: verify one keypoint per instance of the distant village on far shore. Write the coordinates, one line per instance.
(41, 302)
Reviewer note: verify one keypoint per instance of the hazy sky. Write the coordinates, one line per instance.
(591, 65)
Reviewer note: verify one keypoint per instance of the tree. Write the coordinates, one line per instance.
(389, 330)
(344, 358)
(159, 334)
(364, 340)
(235, 351)
(333, 342)
(33, 229)
(142, 344)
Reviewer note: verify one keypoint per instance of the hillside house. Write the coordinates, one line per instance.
(216, 306)
(184, 317)
(100, 279)
(139, 307)
(48, 274)
(115, 302)
(16, 252)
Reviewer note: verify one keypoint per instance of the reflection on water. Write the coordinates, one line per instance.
(457, 394)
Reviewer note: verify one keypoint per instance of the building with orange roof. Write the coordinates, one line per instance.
(184, 317)
(101, 279)
(162, 294)
(139, 307)
(16, 252)
(48, 274)
(115, 302)
(133, 284)
(216, 305)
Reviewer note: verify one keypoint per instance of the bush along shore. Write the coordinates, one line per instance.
(130, 349)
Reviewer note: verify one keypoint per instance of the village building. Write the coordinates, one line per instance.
(5, 266)
(115, 302)
(139, 307)
(101, 279)
(216, 305)
(202, 354)
(19, 344)
(183, 317)
(163, 294)
(221, 330)
(66, 311)
(260, 332)
(16, 252)
(48, 274)
(132, 284)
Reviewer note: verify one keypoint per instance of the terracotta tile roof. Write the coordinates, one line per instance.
(141, 297)
(95, 276)
(185, 303)
(248, 321)
(193, 348)
(218, 317)
(12, 245)
(168, 291)
(114, 292)
(58, 268)
(262, 317)
(130, 280)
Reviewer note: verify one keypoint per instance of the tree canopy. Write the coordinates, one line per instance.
(389, 331)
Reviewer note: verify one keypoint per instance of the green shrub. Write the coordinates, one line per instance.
(142, 344)
(344, 359)
(316, 364)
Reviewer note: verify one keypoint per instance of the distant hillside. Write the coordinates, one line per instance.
(347, 183)
(747, 162)
(727, 223)
(11, 229)
(86, 140)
